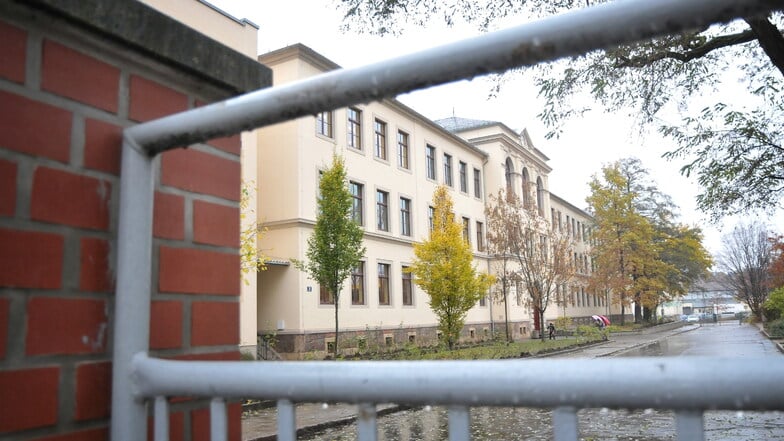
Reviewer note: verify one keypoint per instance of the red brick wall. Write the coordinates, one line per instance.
(62, 110)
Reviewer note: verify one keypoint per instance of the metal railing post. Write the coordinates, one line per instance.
(132, 300)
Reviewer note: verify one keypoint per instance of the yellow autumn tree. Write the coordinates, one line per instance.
(251, 259)
(443, 268)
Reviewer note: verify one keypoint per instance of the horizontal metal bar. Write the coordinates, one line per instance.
(548, 39)
(661, 383)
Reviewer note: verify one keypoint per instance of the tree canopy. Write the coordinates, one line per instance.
(335, 246)
(642, 254)
(443, 268)
(746, 258)
(734, 147)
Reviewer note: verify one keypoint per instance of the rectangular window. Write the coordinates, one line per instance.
(405, 217)
(447, 169)
(431, 213)
(383, 284)
(357, 195)
(382, 210)
(477, 183)
(402, 150)
(430, 161)
(408, 293)
(463, 177)
(358, 284)
(467, 230)
(483, 301)
(480, 236)
(325, 297)
(324, 124)
(354, 128)
(380, 140)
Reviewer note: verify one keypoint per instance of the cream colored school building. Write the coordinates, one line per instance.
(395, 158)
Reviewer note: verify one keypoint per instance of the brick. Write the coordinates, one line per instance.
(215, 356)
(30, 259)
(24, 129)
(65, 198)
(200, 423)
(230, 144)
(93, 391)
(165, 325)
(102, 146)
(216, 224)
(94, 275)
(215, 323)
(79, 77)
(29, 398)
(66, 326)
(201, 173)
(176, 427)
(14, 53)
(7, 187)
(99, 434)
(168, 216)
(198, 272)
(151, 100)
(5, 305)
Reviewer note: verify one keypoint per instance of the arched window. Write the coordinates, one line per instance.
(540, 196)
(526, 189)
(509, 172)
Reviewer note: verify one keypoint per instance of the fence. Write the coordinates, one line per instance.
(563, 386)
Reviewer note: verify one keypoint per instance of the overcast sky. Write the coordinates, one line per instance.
(585, 146)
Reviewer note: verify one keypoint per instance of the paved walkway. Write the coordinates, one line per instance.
(262, 424)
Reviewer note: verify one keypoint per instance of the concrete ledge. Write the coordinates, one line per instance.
(163, 38)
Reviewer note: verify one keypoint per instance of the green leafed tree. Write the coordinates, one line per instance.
(734, 147)
(443, 268)
(335, 246)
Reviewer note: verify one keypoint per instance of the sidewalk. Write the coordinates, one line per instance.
(261, 425)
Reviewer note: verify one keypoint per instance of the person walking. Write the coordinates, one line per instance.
(551, 328)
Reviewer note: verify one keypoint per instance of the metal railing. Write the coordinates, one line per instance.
(561, 385)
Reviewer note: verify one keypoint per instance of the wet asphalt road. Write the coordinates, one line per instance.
(726, 339)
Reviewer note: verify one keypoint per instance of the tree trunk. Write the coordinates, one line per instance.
(623, 313)
(336, 327)
(506, 314)
(770, 39)
(637, 309)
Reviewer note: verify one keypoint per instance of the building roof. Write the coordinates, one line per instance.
(456, 124)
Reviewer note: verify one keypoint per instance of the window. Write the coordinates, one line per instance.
(480, 236)
(358, 284)
(357, 191)
(430, 161)
(431, 213)
(483, 301)
(540, 196)
(448, 169)
(324, 124)
(325, 297)
(477, 183)
(463, 170)
(402, 150)
(508, 174)
(354, 128)
(380, 140)
(526, 189)
(383, 284)
(405, 217)
(467, 230)
(408, 293)
(382, 210)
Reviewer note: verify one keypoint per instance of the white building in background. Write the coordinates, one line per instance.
(395, 158)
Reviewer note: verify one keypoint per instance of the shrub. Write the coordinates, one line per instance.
(774, 305)
(589, 332)
(776, 328)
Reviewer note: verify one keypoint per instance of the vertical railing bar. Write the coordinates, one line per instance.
(565, 426)
(218, 420)
(689, 425)
(366, 422)
(459, 423)
(287, 422)
(161, 423)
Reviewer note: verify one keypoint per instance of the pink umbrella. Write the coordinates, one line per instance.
(605, 320)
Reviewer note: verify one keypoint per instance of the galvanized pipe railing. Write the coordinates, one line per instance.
(548, 39)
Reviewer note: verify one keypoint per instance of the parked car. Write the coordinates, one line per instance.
(693, 318)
